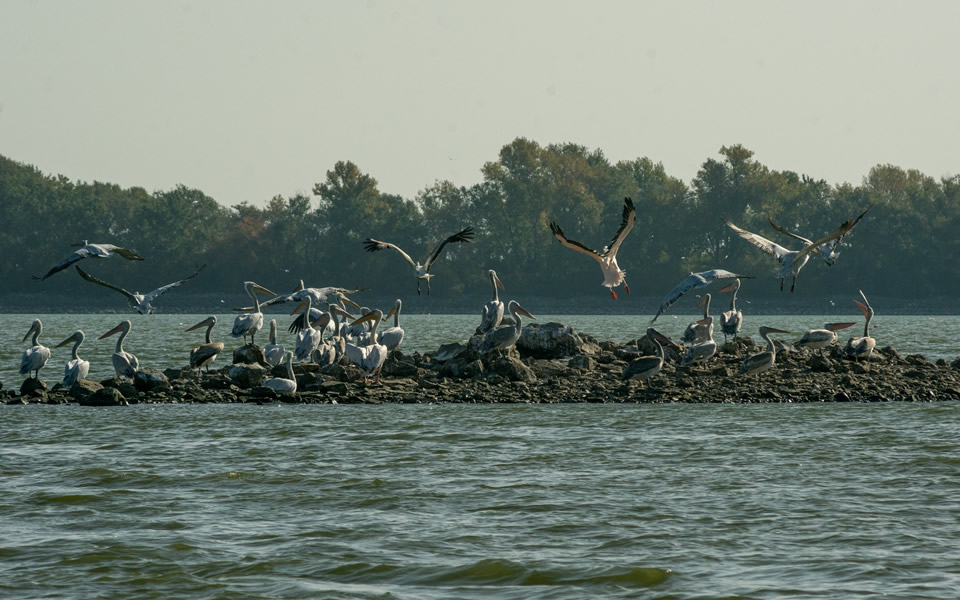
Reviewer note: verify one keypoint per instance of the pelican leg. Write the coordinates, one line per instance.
(428, 287)
(625, 286)
(794, 284)
(781, 284)
(418, 287)
(613, 294)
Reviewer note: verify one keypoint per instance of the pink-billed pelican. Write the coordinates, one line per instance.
(645, 367)
(124, 363)
(421, 271)
(818, 339)
(492, 312)
(319, 296)
(283, 385)
(701, 330)
(392, 337)
(612, 274)
(731, 320)
(206, 353)
(309, 338)
(703, 351)
(142, 303)
(692, 281)
(862, 347)
(251, 322)
(505, 336)
(791, 261)
(828, 251)
(369, 358)
(273, 351)
(89, 251)
(76, 368)
(37, 355)
(762, 361)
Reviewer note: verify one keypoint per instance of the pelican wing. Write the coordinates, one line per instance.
(115, 288)
(461, 236)
(692, 281)
(317, 295)
(834, 235)
(164, 289)
(372, 245)
(787, 232)
(574, 245)
(629, 218)
(839, 240)
(761, 242)
(75, 256)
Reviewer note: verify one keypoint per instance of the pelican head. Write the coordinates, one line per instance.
(252, 286)
(375, 315)
(766, 330)
(730, 288)
(124, 326)
(76, 337)
(495, 279)
(515, 307)
(396, 308)
(208, 322)
(35, 326)
(704, 300)
(342, 298)
(864, 306)
(663, 340)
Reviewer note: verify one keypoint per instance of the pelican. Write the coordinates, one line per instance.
(505, 336)
(692, 281)
(369, 358)
(702, 330)
(319, 296)
(315, 313)
(89, 251)
(37, 355)
(327, 352)
(493, 310)
(762, 361)
(821, 338)
(251, 322)
(703, 351)
(282, 385)
(612, 274)
(829, 250)
(124, 363)
(142, 303)
(791, 261)
(391, 337)
(731, 320)
(309, 338)
(858, 347)
(645, 367)
(273, 351)
(203, 355)
(422, 272)
(76, 368)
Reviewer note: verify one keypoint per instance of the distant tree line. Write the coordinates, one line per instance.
(908, 244)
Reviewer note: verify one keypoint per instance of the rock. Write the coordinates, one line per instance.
(956, 363)
(553, 340)
(453, 368)
(174, 373)
(333, 387)
(247, 375)
(250, 354)
(819, 363)
(107, 396)
(581, 362)
(128, 390)
(473, 369)
(84, 388)
(146, 380)
(512, 369)
(448, 352)
(217, 381)
(32, 387)
(345, 372)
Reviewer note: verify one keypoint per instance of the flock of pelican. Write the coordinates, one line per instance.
(327, 332)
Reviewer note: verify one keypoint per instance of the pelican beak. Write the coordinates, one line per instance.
(66, 341)
(259, 288)
(703, 322)
(775, 330)
(864, 308)
(524, 312)
(299, 308)
(322, 321)
(702, 301)
(351, 303)
(836, 326)
(29, 332)
(116, 329)
(370, 317)
(497, 281)
(202, 323)
(391, 313)
(865, 301)
(343, 313)
(729, 288)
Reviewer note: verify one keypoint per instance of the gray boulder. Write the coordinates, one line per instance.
(84, 388)
(107, 396)
(146, 380)
(246, 375)
(250, 354)
(35, 388)
(513, 369)
(553, 340)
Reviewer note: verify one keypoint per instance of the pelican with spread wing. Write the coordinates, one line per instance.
(829, 250)
(421, 271)
(142, 303)
(693, 281)
(90, 251)
(318, 296)
(613, 275)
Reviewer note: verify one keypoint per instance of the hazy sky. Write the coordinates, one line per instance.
(246, 100)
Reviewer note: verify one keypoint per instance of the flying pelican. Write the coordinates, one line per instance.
(251, 322)
(203, 355)
(645, 367)
(369, 358)
(702, 330)
(692, 281)
(703, 351)
(319, 296)
(309, 338)
(76, 368)
(505, 336)
(821, 338)
(858, 347)
(731, 320)
(282, 385)
(829, 250)
(422, 272)
(90, 250)
(142, 303)
(791, 261)
(124, 363)
(612, 274)
(273, 351)
(36, 355)
(762, 361)
(493, 310)
(391, 337)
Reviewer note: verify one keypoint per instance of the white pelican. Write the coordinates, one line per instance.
(703, 351)
(282, 385)
(327, 352)
(392, 337)
(251, 322)
(421, 271)
(692, 281)
(505, 336)
(369, 358)
(142, 303)
(612, 274)
(76, 368)
(203, 355)
(701, 330)
(819, 339)
(124, 363)
(731, 320)
(791, 261)
(309, 338)
(37, 355)
(858, 347)
(315, 313)
(319, 296)
(492, 311)
(762, 361)
(92, 251)
(829, 250)
(645, 367)
(273, 351)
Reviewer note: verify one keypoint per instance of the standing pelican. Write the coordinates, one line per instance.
(421, 271)
(203, 355)
(612, 274)
(315, 313)
(731, 320)
(702, 330)
(124, 363)
(142, 303)
(762, 361)
(325, 353)
(692, 281)
(391, 337)
(369, 358)
(273, 351)
(92, 251)
(819, 339)
(493, 310)
(828, 251)
(703, 351)
(37, 354)
(309, 338)
(76, 368)
(282, 385)
(858, 347)
(505, 336)
(645, 367)
(251, 322)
